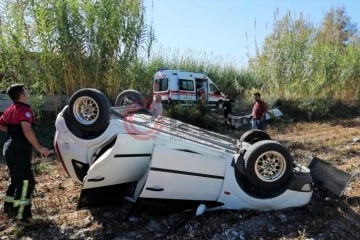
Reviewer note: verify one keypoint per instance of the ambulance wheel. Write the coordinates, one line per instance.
(219, 104)
(89, 110)
(268, 164)
(129, 97)
(254, 135)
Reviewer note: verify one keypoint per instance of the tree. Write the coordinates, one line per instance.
(315, 67)
(279, 67)
(337, 28)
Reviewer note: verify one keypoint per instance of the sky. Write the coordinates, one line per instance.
(229, 29)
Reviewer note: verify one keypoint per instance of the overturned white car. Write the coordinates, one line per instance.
(165, 166)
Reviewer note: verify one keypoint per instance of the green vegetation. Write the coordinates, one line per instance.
(316, 68)
(41, 167)
(195, 115)
(68, 44)
(64, 45)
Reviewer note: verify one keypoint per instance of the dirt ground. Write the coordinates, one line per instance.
(325, 217)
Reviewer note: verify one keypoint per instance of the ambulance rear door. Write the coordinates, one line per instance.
(161, 86)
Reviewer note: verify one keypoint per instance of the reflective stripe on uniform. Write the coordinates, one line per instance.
(9, 199)
(22, 200)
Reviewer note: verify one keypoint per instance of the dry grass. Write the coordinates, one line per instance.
(330, 141)
(326, 217)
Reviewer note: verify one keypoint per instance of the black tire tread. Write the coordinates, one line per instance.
(104, 109)
(133, 94)
(254, 135)
(255, 151)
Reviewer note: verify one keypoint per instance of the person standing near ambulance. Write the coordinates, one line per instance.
(156, 107)
(227, 110)
(18, 122)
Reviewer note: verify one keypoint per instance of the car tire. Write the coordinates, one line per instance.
(89, 110)
(268, 164)
(129, 97)
(254, 135)
(219, 104)
(246, 120)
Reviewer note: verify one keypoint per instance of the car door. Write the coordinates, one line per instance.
(183, 175)
(214, 95)
(202, 90)
(187, 90)
(115, 171)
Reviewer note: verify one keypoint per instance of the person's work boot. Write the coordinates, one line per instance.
(9, 211)
(28, 222)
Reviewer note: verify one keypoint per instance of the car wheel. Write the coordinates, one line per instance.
(268, 164)
(129, 97)
(254, 135)
(89, 109)
(246, 120)
(219, 104)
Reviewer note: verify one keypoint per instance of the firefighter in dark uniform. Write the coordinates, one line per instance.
(18, 121)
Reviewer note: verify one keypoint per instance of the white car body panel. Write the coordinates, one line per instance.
(239, 121)
(116, 166)
(235, 198)
(184, 175)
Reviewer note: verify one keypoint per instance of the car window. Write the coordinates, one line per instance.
(213, 88)
(186, 85)
(161, 84)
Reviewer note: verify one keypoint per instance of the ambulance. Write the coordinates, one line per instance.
(186, 88)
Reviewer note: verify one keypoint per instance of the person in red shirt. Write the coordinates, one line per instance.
(18, 122)
(259, 113)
